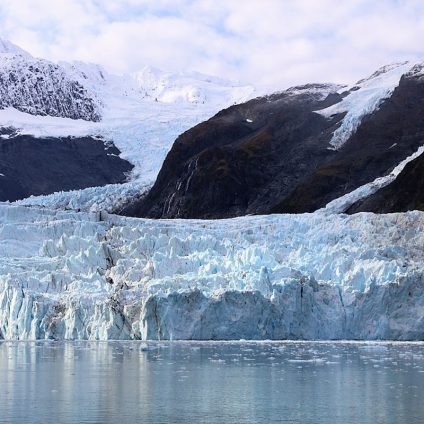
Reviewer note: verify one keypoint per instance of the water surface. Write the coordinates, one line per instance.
(192, 382)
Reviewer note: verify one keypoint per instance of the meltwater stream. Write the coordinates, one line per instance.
(211, 382)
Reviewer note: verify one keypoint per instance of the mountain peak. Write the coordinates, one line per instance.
(396, 68)
(8, 47)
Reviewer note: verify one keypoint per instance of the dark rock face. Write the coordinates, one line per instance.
(271, 155)
(35, 166)
(243, 159)
(405, 193)
(384, 139)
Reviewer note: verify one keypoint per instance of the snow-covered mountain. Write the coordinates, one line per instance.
(40, 87)
(296, 150)
(141, 114)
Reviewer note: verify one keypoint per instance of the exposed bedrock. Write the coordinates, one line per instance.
(405, 193)
(36, 166)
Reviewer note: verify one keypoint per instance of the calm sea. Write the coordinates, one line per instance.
(211, 382)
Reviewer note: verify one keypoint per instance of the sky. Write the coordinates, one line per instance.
(270, 43)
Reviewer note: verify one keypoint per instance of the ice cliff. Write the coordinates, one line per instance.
(68, 275)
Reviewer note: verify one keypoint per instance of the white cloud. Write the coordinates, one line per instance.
(267, 42)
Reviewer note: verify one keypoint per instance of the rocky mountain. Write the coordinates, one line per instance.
(294, 151)
(34, 166)
(403, 194)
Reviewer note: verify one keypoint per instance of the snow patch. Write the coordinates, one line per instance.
(317, 91)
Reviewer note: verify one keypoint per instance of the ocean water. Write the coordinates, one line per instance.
(211, 382)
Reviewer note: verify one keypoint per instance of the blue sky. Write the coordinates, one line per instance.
(275, 43)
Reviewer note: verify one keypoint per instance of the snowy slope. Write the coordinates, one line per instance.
(363, 99)
(188, 87)
(40, 87)
(142, 113)
(77, 276)
(9, 48)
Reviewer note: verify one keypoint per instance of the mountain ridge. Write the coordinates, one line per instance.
(295, 150)
(291, 152)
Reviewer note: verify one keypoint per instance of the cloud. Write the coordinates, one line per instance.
(276, 43)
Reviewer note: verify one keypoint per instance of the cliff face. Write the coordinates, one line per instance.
(405, 193)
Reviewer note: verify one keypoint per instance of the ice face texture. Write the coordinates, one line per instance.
(67, 275)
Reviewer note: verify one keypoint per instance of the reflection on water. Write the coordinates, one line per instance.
(182, 382)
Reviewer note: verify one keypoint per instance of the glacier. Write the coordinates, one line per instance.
(141, 113)
(342, 204)
(364, 98)
(109, 198)
(91, 275)
(71, 270)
